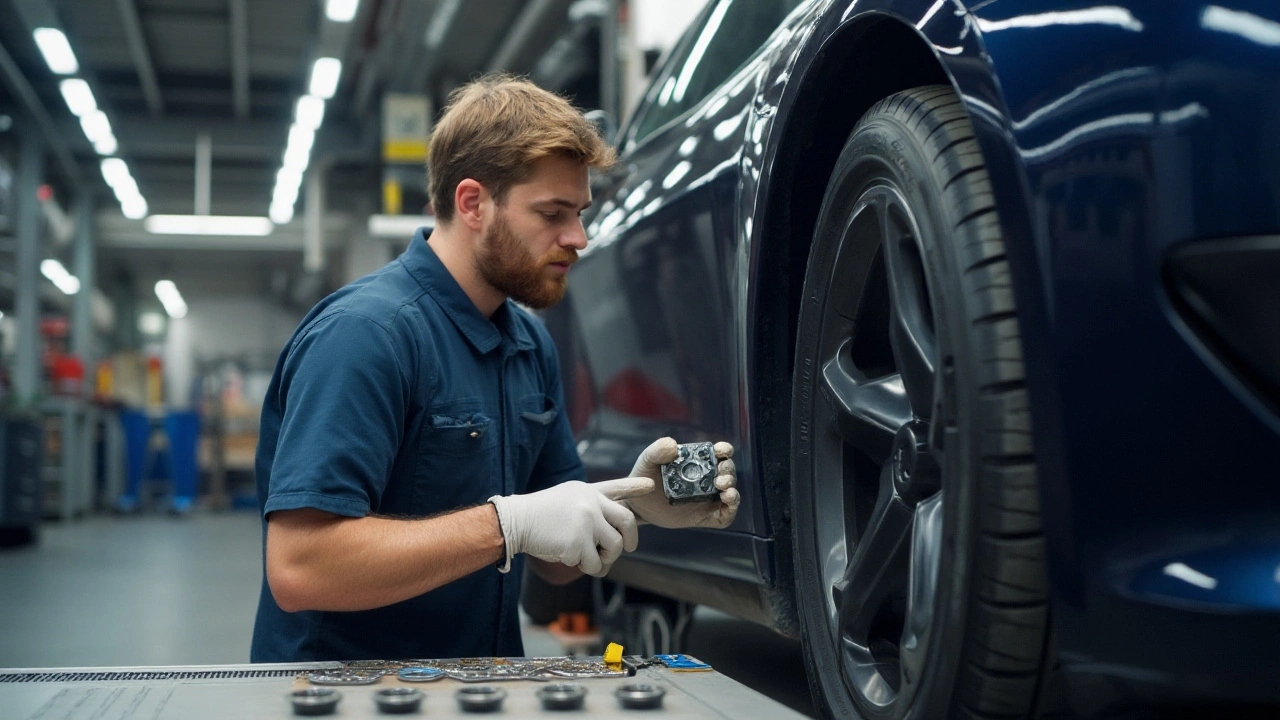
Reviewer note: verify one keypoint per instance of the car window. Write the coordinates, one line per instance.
(728, 35)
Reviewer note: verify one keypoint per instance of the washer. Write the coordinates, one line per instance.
(480, 698)
(562, 696)
(640, 696)
(315, 701)
(398, 700)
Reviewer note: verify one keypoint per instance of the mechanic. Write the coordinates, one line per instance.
(414, 437)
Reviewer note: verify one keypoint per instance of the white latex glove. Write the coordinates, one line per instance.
(573, 523)
(653, 507)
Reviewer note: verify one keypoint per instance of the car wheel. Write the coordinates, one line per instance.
(919, 558)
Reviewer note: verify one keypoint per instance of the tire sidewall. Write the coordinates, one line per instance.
(884, 150)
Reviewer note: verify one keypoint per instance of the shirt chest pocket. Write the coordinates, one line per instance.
(458, 461)
(538, 416)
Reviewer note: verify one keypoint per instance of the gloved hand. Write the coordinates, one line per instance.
(653, 507)
(579, 525)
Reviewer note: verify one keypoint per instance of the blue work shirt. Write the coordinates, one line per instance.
(396, 396)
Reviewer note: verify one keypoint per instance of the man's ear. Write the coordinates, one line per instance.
(468, 201)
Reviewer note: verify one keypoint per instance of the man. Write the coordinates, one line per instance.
(414, 434)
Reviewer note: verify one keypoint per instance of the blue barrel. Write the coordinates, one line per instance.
(183, 428)
(137, 438)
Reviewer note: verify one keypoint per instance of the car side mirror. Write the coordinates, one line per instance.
(606, 124)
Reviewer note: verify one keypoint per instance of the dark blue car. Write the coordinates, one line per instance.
(987, 295)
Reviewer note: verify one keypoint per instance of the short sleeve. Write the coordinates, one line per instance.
(559, 460)
(343, 397)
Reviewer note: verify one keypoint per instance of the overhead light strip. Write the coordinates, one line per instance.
(209, 225)
(56, 50)
(341, 10)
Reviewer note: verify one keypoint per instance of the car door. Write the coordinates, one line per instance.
(653, 347)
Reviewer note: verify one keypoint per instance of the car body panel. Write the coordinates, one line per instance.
(1113, 134)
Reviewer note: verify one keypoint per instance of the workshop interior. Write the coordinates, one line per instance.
(984, 294)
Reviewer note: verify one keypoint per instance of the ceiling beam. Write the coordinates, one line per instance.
(263, 140)
(240, 58)
(141, 56)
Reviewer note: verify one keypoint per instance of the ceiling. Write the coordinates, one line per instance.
(167, 71)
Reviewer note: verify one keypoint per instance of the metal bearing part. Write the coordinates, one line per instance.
(314, 701)
(345, 677)
(640, 696)
(480, 698)
(420, 674)
(562, 696)
(398, 700)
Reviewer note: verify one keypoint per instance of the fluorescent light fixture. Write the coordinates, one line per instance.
(288, 177)
(106, 145)
(151, 323)
(171, 299)
(297, 154)
(341, 10)
(96, 126)
(79, 97)
(56, 50)
(310, 112)
(285, 195)
(115, 172)
(282, 213)
(134, 208)
(208, 225)
(324, 77)
(66, 282)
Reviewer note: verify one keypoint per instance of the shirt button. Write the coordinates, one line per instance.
(475, 433)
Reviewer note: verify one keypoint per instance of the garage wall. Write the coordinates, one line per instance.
(224, 327)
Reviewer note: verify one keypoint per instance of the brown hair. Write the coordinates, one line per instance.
(494, 129)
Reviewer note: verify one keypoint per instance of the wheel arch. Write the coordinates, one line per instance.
(872, 55)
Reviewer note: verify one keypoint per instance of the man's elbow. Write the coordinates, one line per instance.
(290, 587)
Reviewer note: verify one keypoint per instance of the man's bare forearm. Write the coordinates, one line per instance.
(319, 561)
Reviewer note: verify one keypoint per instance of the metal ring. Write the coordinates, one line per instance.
(480, 698)
(344, 677)
(396, 700)
(314, 701)
(562, 696)
(420, 674)
(640, 696)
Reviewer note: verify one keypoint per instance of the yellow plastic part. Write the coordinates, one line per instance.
(613, 654)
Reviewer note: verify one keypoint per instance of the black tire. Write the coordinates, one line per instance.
(908, 391)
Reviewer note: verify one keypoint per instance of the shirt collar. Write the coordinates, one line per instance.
(484, 334)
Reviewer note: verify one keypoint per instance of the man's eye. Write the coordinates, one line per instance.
(550, 216)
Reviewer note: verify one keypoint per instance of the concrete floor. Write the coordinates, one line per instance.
(158, 590)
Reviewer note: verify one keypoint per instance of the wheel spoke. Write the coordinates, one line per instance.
(867, 412)
(926, 548)
(877, 572)
(910, 324)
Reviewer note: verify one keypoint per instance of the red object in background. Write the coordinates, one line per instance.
(632, 393)
(55, 327)
(44, 194)
(67, 374)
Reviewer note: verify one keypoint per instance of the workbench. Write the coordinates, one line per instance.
(264, 691)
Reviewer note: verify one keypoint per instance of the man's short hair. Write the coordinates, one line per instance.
(494, 129)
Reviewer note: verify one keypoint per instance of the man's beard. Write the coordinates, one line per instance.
(507, 264)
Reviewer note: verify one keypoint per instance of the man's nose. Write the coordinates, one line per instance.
(575, 237)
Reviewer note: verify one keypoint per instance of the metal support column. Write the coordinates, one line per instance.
(610, 77)
(81, 485)
(26, 381)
